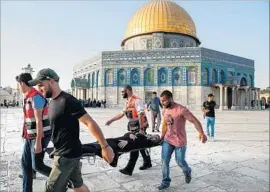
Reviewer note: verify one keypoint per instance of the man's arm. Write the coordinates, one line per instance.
(38, 117)
(191, 118)
(94, 129)
(117, 117)
(163, 129)
(38, 104)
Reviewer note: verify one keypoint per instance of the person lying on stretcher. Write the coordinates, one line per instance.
(120, 145)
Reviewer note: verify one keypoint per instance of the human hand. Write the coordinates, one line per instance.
(107, 154)
(132, 136)
(206, 110)
(142, 132)
(122, 144)
(108, 123)
(37, 147)
(203, 137)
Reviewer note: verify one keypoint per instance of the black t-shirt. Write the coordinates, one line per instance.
(211, 107)
(64, 112)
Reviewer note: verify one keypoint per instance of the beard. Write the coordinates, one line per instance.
(125, 95)
(168, 105)
(48, 94)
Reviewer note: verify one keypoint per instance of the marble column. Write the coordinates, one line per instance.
(259, 99)
(246, 98)
(221, 97)
(226, 97)
(233, 98)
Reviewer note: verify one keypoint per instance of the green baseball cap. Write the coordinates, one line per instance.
(44, 74)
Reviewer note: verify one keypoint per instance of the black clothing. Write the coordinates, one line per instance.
(64, 112)
(211, 107)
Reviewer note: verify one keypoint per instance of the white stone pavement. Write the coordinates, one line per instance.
(237, 161)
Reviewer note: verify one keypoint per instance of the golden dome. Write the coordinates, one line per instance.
(160, 16)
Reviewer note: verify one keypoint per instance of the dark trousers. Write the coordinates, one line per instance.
(31, 161)
(134, 157)
(155, 116)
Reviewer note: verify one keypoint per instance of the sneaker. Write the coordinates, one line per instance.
(145, 166)
(162, 187)
(125, 172)
(188, 176)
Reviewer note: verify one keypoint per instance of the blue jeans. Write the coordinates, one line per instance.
(180, 154)
(210, 122)
(31, 161)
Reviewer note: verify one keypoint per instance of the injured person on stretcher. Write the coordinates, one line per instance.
(127, 143)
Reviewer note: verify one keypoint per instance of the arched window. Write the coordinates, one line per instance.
(89, 80)
(97, 78)
(93, 79)
(135, 77)
(191, 75)
(109, 77)
(214, 76)
(122, 77)
(243, 81)
(206, 76)
(162, 76)
(149, 77)
(177, 76)
(221, 77)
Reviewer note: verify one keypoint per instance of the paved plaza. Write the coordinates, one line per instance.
(238, 160)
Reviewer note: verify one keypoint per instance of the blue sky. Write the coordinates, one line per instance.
(61, 34)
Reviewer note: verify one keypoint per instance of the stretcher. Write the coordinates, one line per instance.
(91, 150)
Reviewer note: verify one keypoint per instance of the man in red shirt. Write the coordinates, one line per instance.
(174, 136)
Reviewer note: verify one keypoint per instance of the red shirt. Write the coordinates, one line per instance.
(175, 118)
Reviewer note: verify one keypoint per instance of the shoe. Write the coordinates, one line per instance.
(158, 130)
(34, 175)
(153, 130)
(213, 139)
(125, 172)
(145, 166)
(162, 187)
(188, 176)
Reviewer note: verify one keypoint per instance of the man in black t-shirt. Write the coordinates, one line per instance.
(208, 109)
(65, 113)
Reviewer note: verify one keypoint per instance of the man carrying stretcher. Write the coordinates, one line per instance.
(137, 122)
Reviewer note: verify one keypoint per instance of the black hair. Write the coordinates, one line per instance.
(128, 87)
(24, 77)
(167, 94)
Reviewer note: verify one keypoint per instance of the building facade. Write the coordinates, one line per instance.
(161, 51)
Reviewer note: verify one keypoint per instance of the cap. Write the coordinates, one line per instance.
(24, 77)
(44, 74)
(210, 95)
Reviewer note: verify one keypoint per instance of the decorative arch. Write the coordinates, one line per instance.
(135, 77)
(162, 76)
(122, 77)
(191, 75)
(206, 76)
(149, 77)
(177, 76)
(221, 76)
(109, 77)
(214, 76)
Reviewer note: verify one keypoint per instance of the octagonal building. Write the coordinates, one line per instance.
(160, 50)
